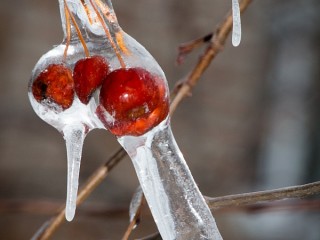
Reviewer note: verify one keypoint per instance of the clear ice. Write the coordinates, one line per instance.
(76, 121)
(135, 204)
(176, 203)
(74, 136)
(236, 30)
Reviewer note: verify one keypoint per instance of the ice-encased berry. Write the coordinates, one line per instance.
(132, 101)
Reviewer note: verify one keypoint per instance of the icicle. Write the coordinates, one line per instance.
(74, 136)
(236, 30)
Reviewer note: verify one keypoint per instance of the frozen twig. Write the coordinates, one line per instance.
(300, 191)
(136, 205)
(97, 177)
(154, 236)
(280, 205)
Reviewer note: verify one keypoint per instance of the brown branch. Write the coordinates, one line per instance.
(136, 205)
(263, 196)
(217, 42)
(129, 229)
(186, 48)
(154, 236)
(283, 205)
(96, 178)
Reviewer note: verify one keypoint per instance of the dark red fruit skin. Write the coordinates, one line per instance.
(136, 99)
(56, 84)
(88, 75)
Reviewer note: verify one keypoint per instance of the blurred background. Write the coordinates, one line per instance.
(252, 122)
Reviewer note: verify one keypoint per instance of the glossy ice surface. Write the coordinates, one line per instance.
(175, 201)
(133, 101)
(89, 74)
(100, 77)
(236, 31)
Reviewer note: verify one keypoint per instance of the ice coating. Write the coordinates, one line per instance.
(53, 94)
(236, 30)
(91, 32)
(135, 203)
(91, 29)
(176, 203)
(74, 136)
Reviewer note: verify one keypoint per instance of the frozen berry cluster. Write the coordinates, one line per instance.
(131, 102)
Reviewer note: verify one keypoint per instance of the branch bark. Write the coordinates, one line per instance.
(239, 200)
(217, 42)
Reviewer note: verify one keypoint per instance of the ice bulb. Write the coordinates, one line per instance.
(117, 85)
(133, 101)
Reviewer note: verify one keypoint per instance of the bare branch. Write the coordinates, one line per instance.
(154, 236)
(186, 48)
(137, 202)
(217, 42)
(301, 191)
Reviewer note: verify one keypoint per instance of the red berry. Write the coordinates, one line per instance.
(55, 83)
(136, 100)
(88, 75)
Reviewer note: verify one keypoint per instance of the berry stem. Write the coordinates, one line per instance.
(106, 12)
(121, 44)
(68, 30)
(104, 25)
(85, 48)
(85, 6)
(111, 17)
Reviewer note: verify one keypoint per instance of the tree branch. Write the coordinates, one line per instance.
(301, 191)
(216, 44)
(188, 47)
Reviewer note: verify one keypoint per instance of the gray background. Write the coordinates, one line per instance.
(251, 123)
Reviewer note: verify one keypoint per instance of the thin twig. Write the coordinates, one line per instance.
(97, 177)
(217, 42)
(154, 236)
(270, 195)
(283, 205)
(137, 202)
(186, 48)
(129, 230)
